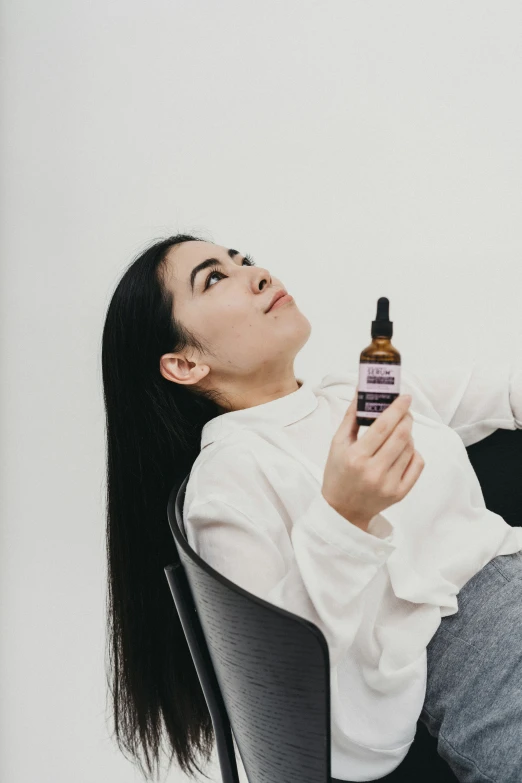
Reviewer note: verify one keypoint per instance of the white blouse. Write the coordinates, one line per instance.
(254, 511)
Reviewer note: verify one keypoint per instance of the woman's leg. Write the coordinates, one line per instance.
(473, 699)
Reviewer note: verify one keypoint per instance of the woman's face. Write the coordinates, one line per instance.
(251, 351)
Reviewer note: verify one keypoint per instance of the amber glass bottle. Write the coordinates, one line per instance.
(379, 369)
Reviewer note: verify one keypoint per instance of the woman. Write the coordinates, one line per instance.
(198, 378)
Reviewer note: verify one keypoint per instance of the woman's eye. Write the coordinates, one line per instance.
(248, 260)
(211, 275)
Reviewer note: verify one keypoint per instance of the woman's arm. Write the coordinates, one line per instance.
(318, 570)
(475, 398)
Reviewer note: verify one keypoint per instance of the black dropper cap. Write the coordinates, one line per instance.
(382, 326)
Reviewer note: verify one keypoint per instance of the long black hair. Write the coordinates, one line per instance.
(153, 430)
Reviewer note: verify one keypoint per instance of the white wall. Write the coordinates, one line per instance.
(356, 148)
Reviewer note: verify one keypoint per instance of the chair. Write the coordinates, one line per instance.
(265, 672)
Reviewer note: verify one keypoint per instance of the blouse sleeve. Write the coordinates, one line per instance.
(319, 573)
(475, 398)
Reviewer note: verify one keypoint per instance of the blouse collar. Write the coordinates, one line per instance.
(279, 412)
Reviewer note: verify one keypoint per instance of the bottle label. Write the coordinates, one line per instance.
(379, 386)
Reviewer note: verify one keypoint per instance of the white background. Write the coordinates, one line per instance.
(355, 148)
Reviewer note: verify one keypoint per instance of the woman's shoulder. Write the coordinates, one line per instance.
(340, 384)
(233, 469)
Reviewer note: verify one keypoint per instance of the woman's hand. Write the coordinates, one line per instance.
(366, 475)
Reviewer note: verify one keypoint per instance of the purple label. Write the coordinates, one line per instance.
(379, 385)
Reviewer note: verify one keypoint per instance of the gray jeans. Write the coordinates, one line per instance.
(473, 701)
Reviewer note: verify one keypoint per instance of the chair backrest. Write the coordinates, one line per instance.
(266, 674)
(497, 461)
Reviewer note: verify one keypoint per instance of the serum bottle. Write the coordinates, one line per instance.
(379, 369)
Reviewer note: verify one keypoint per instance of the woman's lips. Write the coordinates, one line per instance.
(281, 301)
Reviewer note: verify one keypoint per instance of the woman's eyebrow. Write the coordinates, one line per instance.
(206, 263)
